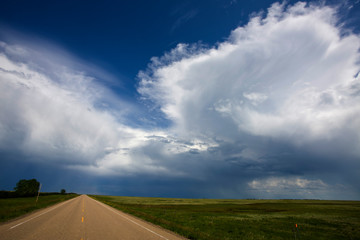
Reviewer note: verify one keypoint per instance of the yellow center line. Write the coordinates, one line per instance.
(82, 218)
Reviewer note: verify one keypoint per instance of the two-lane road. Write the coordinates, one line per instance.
(81, 218)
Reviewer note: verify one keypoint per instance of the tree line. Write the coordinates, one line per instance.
(27, 188)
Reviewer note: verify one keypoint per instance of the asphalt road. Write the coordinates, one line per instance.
(81, 218)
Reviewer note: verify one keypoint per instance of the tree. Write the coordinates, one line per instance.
(63, 191)
(27, 187)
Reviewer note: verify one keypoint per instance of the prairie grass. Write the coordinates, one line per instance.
(246, 219)
(14, 207)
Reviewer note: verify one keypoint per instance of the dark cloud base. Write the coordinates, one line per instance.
(217, 180)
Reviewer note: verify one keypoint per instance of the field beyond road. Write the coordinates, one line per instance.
(246, 219)
(14, 207)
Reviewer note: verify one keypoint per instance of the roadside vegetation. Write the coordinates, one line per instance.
(14, 207)
(26, 198)
(246, 219)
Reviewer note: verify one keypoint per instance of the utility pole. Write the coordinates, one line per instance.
(38, 194)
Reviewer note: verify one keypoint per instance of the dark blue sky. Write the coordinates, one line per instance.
(122, 36)
(224, 99)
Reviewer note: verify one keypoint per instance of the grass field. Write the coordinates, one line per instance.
(15, 207)
(246, 219)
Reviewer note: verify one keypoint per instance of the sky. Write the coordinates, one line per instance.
(191, 99)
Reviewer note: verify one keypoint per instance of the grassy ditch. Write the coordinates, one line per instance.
(14, 207)
(246, 219)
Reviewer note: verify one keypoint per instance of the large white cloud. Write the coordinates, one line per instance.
(291, 76)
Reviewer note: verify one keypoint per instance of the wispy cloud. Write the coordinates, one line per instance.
(183, 19)
(52, 111)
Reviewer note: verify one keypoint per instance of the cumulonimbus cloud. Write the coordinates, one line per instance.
(288, 80)
(291, 74)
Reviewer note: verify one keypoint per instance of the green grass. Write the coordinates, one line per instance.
(246, 219)
(14, 207)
